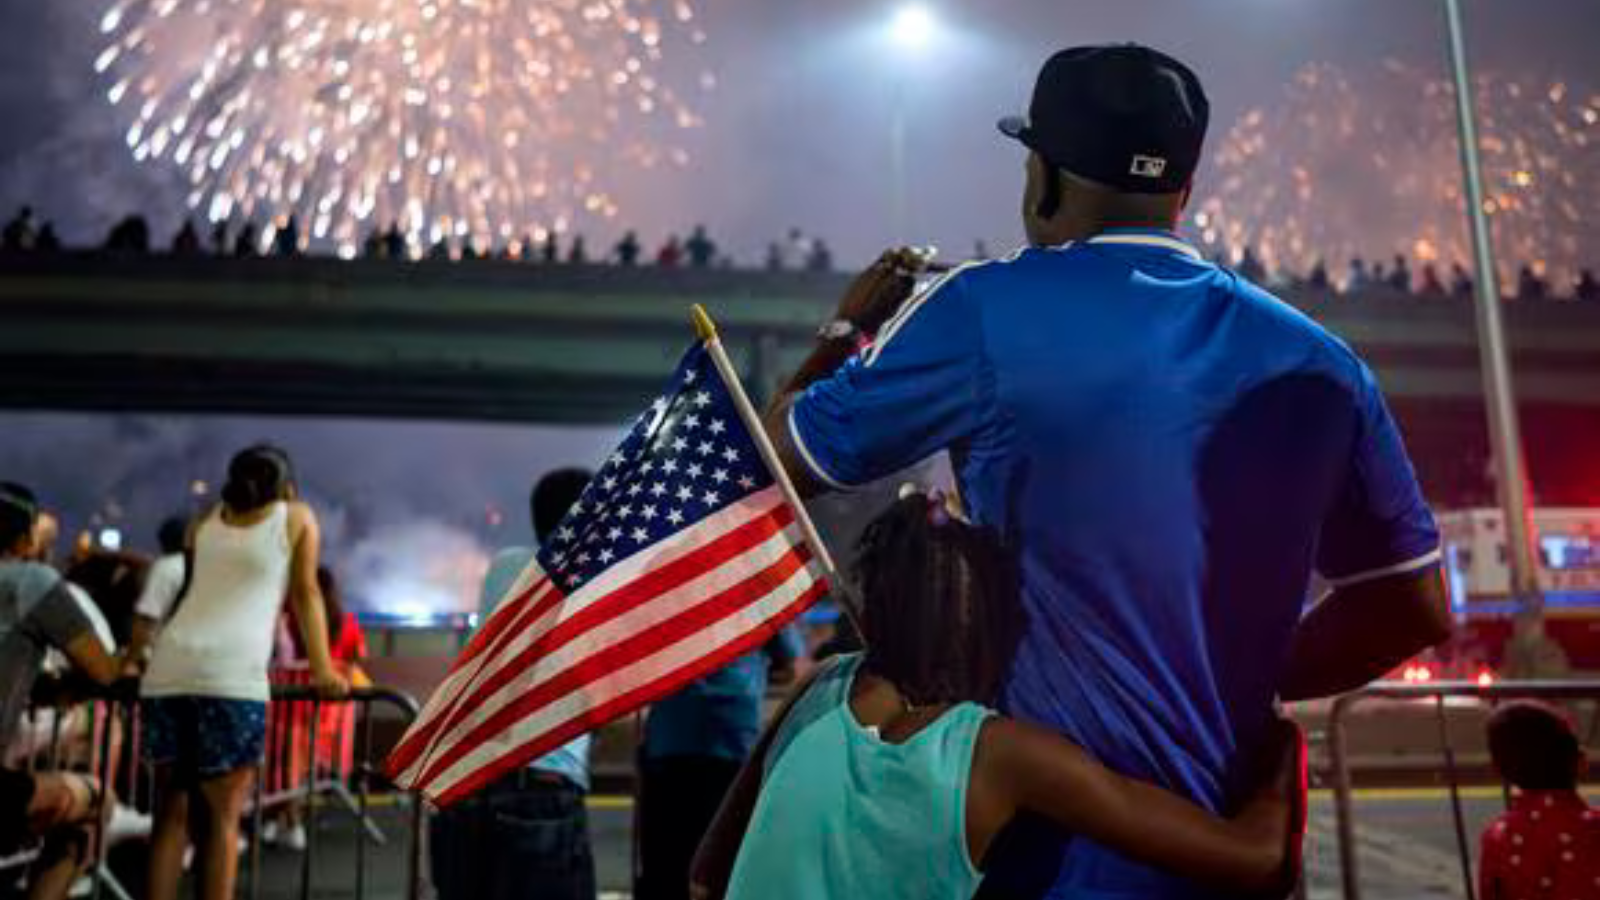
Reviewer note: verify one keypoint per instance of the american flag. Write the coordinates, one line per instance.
(681, 555)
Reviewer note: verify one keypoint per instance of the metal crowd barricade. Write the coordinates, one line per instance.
(1339, 759)
(294, 704)
(105, 742)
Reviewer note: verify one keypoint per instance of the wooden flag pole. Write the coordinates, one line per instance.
(707, 330)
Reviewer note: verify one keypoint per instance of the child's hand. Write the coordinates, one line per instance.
(1277, 810)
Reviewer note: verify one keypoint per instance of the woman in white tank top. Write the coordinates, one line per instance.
(206, 690)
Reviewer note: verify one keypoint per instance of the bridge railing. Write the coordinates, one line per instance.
(1437, 695)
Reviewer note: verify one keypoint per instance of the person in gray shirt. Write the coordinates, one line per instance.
(39, 611)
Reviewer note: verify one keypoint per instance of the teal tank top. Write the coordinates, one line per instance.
(843, 814)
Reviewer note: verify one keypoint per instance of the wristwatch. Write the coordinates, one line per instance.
(837, 330)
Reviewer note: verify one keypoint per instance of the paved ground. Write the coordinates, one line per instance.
(1406, 851)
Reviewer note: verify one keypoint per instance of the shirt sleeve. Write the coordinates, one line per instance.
(1491, 862)
(58, 617)
(1379, 523)
(161, 587)
(923, 386)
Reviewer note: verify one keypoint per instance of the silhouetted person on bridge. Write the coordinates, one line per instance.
(774, 261)
(701, 249)
(1431, 285)
(219, 238)
(579, 254)
(47, 241)
(187, 241)
(820, 259)
(1400, 275)
(1318, 279)
(1460, 281)
(1250, 267)
(550, 253)
(1529, 285)
(394, 243)
(1358, 278)
(1587, 288)
(627, 250)
(671, 253)
(287, 241)
(18, 235)
(245, 244)
(131, 235)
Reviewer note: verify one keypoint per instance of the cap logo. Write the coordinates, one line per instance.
(1148, 166)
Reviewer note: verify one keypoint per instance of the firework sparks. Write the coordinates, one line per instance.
(1296, 182)
(486, 120)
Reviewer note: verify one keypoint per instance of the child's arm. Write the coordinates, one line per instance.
(1026, 767)
(719, 849)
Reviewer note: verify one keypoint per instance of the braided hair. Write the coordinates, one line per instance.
(942, 611)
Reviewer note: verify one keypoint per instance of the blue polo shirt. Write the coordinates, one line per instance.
(1174, 451)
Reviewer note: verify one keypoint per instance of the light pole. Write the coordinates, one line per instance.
(911, 30)
(1530, 647)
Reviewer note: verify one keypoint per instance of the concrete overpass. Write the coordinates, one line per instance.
(508, 341)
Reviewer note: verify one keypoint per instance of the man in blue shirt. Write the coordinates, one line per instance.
(525, 836)
(1171, 450)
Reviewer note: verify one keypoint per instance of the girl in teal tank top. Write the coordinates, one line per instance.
(886, 777)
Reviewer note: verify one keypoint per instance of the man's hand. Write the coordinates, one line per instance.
(877, 293)
(330, 685)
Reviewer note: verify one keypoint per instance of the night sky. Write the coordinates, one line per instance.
(796, 132)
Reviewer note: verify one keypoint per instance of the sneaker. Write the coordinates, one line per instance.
(126, 822)
(270, 831)
(295, 838)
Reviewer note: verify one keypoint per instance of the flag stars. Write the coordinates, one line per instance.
(691, 421)
(659, 489)
(705, 448)
(609, 484)
(606, 555)
(640, 535)
(717, 426)
(670, 466)
(635, 489)
(702, 399)
(731, 455)
(685, 493)
(624, 511)
(711, 498)
(695, 470)
(678, 445)
(674, 517)
(614, 534)
(689, 376)
(720, 476)
(746, 482)
(647, 467)
(583, 558)
(648, 513)
(565, 534)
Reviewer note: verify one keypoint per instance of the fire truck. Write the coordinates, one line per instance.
(1478, 568)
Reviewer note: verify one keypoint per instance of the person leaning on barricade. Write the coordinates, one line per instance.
(206, 690)
(39, 611)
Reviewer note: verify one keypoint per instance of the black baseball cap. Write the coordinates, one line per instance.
(1124, 115)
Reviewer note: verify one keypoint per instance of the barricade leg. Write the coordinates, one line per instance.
(1344, 816)
(1455, 798)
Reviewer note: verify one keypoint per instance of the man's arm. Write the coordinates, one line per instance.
(61, 618)
(1361, 631)
(873, 299)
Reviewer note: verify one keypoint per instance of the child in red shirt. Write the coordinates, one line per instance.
(1547, 845)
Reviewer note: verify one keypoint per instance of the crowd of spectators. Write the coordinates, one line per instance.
(797, 251)
(131, 236)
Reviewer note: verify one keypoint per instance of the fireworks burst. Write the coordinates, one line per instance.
(1346, 167)
(481, 119)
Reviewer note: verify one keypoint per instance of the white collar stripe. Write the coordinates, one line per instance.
(1148, 240)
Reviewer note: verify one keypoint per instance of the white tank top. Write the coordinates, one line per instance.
(219, 642)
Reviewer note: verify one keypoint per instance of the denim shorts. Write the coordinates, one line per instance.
(203, 737)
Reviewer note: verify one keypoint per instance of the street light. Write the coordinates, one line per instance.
(912, 30)
(913, 26)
